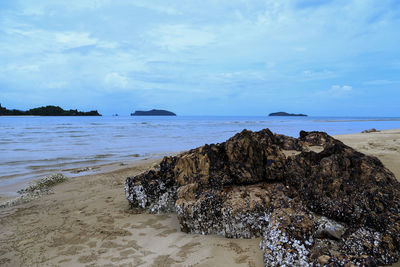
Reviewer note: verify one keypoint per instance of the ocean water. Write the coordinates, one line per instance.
(31, 147)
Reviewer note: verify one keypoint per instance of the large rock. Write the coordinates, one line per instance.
(312, 199)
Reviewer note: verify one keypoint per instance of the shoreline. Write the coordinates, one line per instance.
(9, 191)
(88, 221)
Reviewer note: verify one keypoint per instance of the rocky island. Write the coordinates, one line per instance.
(46, 111)
(153, 112)
(286, 114)
(313, 200)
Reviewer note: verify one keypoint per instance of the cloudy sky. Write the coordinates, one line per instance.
(209, 57)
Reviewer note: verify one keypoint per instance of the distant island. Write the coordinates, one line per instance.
(286, 114)
(153, 112)
(46, 111)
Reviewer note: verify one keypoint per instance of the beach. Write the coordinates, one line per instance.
(87, 221)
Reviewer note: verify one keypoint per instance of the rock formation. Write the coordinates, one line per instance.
(46, 111)
(153, 112)
(285, 114)
(372, 130)
(313, 200)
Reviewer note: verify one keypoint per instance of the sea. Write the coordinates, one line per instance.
(32, 147)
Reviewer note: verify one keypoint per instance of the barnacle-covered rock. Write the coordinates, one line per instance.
(235, 211)
(288, 238)
(313, 200)
(344, 184)
(154, 190)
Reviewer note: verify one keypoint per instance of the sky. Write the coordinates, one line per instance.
(208, 57)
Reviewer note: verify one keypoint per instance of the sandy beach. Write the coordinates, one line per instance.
(87, 222)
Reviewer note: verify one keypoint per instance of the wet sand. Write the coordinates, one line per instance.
(88, 222)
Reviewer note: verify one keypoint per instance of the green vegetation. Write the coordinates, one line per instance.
(47, 111)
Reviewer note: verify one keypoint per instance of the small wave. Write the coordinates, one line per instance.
(77, 136)
(80, 144)
(57, 166)
(132, 155)
(5, 142)
(71, 127)
(102, 156)
(24, 175)
(17, 162)
(72, 131)
(5, 177)
(32, 128)
(358, 120)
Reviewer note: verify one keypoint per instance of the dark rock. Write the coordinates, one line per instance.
(288, 238)
(373, 130)
(329, 228)
(324, 203)
(285, 114)
(153, 112)
(47, 111)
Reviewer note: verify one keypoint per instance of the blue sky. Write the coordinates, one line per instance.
(209, 57)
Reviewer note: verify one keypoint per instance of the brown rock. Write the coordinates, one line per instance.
(323, 259)
(373, 130)
(325, 204)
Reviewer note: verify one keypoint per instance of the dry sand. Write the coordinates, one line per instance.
(88, 222)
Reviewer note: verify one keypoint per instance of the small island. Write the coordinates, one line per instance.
(153, 112)
(46, 111)
(286, 114)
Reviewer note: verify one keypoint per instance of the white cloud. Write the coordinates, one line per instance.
(33, 11)
(381, 82)
(86, 4)
(158, 7)
(344, 88)
(54, 84)
(20, 68)
(317, 75)
(50, 41)
(180, 37)
(115, 79)
(75, 39)
(336, 91)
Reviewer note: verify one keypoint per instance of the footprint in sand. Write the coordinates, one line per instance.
(127, 252)
(187, 249)
(4, 261)
(87, 258)
(241, 259)
(64, 260)
(105, 219)
(73, 250)
(164, 260)
(166, 233)
(92, 244)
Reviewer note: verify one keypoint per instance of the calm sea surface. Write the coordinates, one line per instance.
(31, 147)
